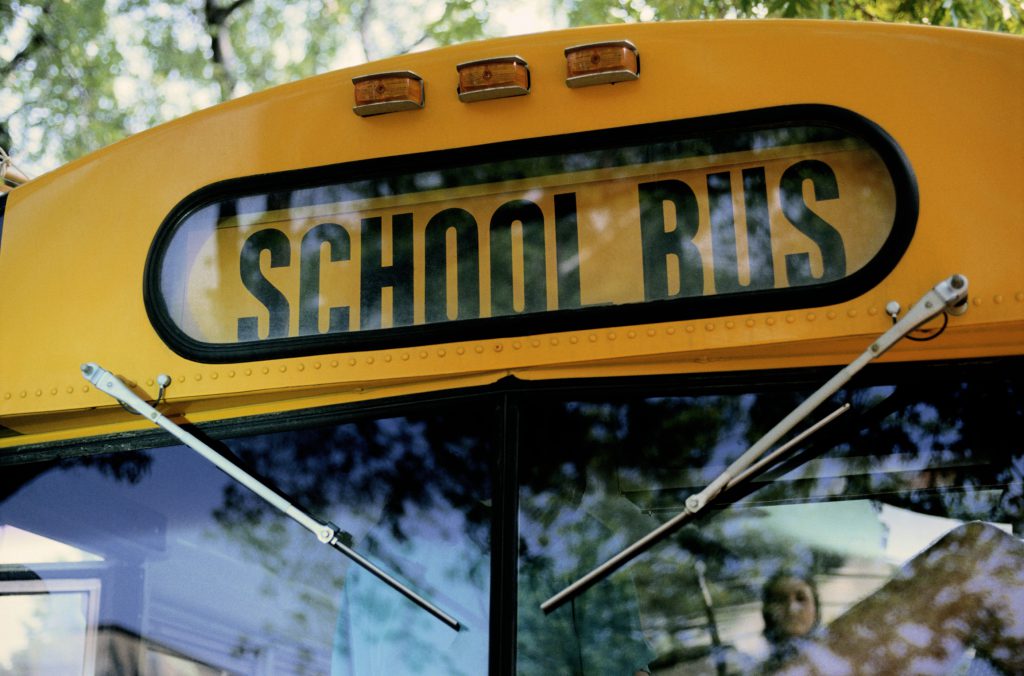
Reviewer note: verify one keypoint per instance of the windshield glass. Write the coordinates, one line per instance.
(892, 534)
(770, 575)
(156, 562)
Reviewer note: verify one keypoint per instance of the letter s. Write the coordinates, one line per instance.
(276, 242)
(828, 239)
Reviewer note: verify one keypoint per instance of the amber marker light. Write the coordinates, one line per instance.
(387, 93)
(493, 78)
(601, 63)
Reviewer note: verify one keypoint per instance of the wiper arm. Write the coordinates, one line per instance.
(949, 295)
(325, 531)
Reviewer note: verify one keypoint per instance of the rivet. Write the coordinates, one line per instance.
(750, 323)
(831, 314)
(535, 343)
(39, 393)
(231, 373)
(71, 390)
(770, 321)
(631, 334)
(282, 368)
(7, 395)
(872, 311)
(977, 300)
(387, 358)
(248, 372)
(352, 361)
(811, 316)
(574, 339)
(997, 299)
(85, 388)
(498, 348)
(730, 324)
(554, 341)
(1019, 296)
(592, 338)
(198, 377)
(53, 391)
(441, 352)
(181, 379)
(150, 381)
(611, 335)
(334, 363)
(516, 345)
(316, 365)
(424, 355)
(689, 328)
(851, 313)
(790, 319)
(671, 330)
(405, 356)
(300, 367)
(24, 394)
(462, 350)
(214, 375)
(369, 360)
(709, 327)
(479, 349)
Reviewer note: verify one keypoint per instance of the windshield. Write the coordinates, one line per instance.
(915, 458)
(156, 562)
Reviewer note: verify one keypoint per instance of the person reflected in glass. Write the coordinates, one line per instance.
(792, 615)
(956, 607)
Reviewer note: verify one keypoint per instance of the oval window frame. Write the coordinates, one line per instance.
(551, 321)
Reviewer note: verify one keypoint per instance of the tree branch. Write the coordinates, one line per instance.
(215, 19)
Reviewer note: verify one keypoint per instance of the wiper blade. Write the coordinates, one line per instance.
(949, 296)
(325, 531)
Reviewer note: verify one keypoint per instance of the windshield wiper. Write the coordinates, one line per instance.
(325, 531)
(948, 296)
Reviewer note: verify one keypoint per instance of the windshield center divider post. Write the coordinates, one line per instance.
(948, 296)
(325, 531)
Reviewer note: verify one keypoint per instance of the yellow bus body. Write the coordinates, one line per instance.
(75, 241)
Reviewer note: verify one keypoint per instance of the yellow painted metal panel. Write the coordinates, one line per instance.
(75, 241)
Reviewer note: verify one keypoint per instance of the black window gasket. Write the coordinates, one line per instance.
(3, 212)
(825, 293)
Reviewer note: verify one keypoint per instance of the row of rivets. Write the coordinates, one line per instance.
(518, 344)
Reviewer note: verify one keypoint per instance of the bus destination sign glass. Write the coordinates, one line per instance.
(360, 257)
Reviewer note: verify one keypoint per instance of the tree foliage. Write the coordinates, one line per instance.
(995, 15)
(76, 75)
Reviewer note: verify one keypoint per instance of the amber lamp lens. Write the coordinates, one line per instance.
(601, 64)
(493, 78)
(387, 93)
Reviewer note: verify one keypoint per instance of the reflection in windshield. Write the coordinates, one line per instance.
(963, 594)
(788, 562)
(864, 542)
(193, 573)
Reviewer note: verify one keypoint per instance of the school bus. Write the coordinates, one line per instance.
(666, 348)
